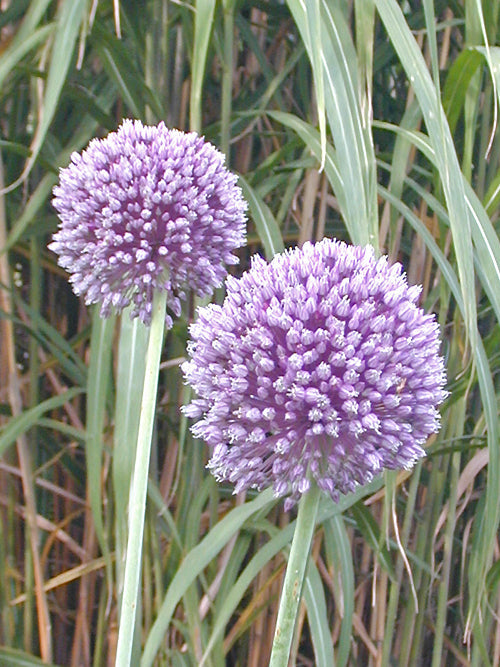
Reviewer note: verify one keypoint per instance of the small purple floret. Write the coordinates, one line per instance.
(319, 363)
(147, 208)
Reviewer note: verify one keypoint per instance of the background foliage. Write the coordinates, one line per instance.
(369, 120)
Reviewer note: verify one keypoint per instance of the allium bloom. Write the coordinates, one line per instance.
(147, 208)
(319, 363)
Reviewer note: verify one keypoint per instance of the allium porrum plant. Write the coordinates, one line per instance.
(146, 213)
(319, 365)
(147, 208)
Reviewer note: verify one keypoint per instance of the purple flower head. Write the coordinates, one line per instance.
(147, 208)
(319, 363)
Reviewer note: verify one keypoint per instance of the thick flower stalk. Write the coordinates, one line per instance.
(145, 209)
(318, 364)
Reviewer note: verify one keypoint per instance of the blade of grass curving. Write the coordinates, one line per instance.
(265, 553)
(311, 139)
(458, 78)
(352, 141)
(312, 26)
(68, 27)
(492, 197)
(121, 76)
(39, 196)
(486, 241)
(99, 375)
(16, 426)
(265, 223)
(317, 617)
(49, 338)
(491, 55)
(194, 563)
(31, 19)
(18, 49)
(485, 529)
(13, 657)
(121, 66)
(373, 536)
(71, 432)
(445, 156)
(204, 18)
(339, 558)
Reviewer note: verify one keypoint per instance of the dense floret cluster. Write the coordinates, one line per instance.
(147, 208)
(318, 364)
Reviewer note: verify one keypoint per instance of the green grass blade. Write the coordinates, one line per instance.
(11, 657)
(97, 400)
(16, 426)
(445, 156)
(265, 223)
(310, 137)
(458, 78)
(194, 563)
(352, 141)
(204, 18)
(317, 617)
(18, 49)
(42, 191)
(339, 557)
(67, 30)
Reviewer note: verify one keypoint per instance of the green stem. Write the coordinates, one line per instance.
(139, 485)
(294, 577)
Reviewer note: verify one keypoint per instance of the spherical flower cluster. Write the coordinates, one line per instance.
(147, 208)
(319, 364)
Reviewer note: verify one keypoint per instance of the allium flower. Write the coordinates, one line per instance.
(319, 363)
(147, 208)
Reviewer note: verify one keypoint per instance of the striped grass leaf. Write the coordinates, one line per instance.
(23, 422)
(310, 136)
(69, 22)
(445, 156)
(203, 22)
(317, 616)
(98, 385)
(373, 536)
(18, 49)
(491, 55)
(265, 223)
(352, 139)
(338, 551)
(458, 78)
(364, 17)
(491, 200)
(193, 565)
(486, 248)
(486, 525)
(12, 657)
(85, 130)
